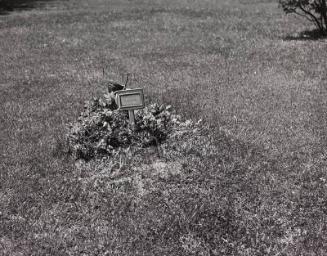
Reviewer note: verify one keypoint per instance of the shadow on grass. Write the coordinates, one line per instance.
(7, 6)
(306, 35)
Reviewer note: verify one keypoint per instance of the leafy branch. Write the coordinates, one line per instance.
(314, 11)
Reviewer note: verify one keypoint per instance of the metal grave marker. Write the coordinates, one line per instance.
(130, 99)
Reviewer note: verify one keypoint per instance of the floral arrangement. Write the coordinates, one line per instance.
(102, 129)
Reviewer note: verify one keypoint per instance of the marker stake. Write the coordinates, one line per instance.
(131, 116)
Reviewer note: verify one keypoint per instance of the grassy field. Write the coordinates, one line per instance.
(256, 184)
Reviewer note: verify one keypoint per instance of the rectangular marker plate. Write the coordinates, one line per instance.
(130, 99)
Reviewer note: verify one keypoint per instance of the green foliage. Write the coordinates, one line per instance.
(102, 129)
(313, 10)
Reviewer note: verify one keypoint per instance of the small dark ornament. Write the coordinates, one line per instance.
(113, 87)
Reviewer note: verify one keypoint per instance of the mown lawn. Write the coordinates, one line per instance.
(255, 184)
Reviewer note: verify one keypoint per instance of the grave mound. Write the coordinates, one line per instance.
(102, 130)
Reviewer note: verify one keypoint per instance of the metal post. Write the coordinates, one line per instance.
(131, 118)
